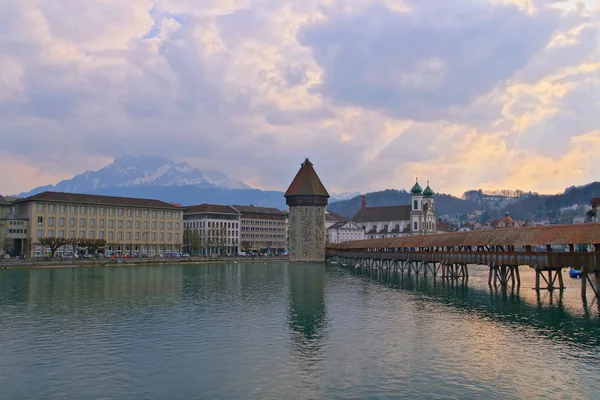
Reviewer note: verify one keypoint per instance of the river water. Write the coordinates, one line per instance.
(283, 331)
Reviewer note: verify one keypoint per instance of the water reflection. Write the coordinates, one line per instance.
(306, 314)
(547, 316)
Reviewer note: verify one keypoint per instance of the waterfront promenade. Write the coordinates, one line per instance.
(95, 262)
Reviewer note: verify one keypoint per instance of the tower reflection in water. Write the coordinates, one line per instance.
(306, 313)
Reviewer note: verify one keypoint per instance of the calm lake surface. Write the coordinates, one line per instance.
(283, 331)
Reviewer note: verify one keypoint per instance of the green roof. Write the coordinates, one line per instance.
(428, 192)
(417, 189)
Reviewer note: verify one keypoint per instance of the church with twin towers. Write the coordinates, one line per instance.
(416, 218)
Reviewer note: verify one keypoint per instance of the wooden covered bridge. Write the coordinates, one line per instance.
(546, 249)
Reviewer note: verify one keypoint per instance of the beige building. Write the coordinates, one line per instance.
(129, 226)
(13, 230)
(262, 229)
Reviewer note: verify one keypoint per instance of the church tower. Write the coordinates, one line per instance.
(430, 221)
(307, 199)
(416, 209)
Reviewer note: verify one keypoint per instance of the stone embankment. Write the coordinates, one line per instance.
(71, 263)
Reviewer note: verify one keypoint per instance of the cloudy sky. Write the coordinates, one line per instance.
(469, 93)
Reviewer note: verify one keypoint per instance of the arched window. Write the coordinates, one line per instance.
(385, 227)
(416, 205)
(416, 226)
(374, 227)
(364, 228)
(397, 226)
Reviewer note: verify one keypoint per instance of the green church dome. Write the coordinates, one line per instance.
(417, 189)
(428, 192)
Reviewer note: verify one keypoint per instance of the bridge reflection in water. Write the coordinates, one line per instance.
(448, 255)
(547, 314)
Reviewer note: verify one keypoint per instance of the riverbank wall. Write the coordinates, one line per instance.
(15, 264)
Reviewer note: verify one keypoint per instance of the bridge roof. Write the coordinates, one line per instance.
(520, 236)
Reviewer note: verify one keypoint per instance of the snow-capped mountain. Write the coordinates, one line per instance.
(128, 171)
(343, 196)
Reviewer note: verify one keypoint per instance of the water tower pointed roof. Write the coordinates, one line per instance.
(306, 187)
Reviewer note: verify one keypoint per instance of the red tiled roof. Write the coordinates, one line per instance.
(387, 213)
(209, 208)
(306, 183)
(98, 200)
(519, 236)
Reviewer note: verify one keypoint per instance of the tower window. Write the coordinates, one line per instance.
(416, 226)
(416, 205)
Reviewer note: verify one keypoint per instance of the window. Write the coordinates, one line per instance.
(61, 209)
(51, 221)
(73, 210)
(101, 223)
(71, 234)
(110, 235)
(416, 205)
(119, 212)
(81, 222)
(111, 223)
(92, 223)
(177, 214)
(92, 235)
(40, 208)
(61, 221)
(176, 225)
(120, 224)
(82, 234)
(137, 212)
(137, 236)
(51, 208)
(169, 225)
(169, 237)
(120, 236)
(111, 211)
(162, 214)
(177, 237)
(129, 212)
(82, 210)
(50, 233)
(170, 215)
(71, 221)
(137, 224)
(39, 233)
(154, 214)
(22, 208)
(128, 224)
(154, 236)
(101, 211)
(101, 235)
(145, 224)
(128, 235)
(92, 210)
(145, 213)
(40, 220)
(61, 234)
(162, 225)
(416, 226)
(153, 224)
(162, 237)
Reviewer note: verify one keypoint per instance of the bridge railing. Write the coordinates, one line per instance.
(588, 260)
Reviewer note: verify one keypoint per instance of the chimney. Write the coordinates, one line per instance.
(364, 202)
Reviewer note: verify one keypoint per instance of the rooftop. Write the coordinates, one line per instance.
(209, 209)
(386, 213)
(259, 210)
(62, 197)
(306, 183)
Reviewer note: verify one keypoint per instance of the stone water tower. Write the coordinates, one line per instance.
(307, 198)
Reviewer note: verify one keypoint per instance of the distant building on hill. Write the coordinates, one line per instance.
(417, 218)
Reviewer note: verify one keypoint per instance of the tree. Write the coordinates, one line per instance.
(187, 239)
(195, 243)
(92, 244)
(53, 243)
(246, 245)
(221, 240)
(267, 245)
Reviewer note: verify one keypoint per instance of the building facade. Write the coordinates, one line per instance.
(307, 199)
(210, 229)
(340, 229)
(417, 218)
(128, 226)
(263, 229)
(13, 230)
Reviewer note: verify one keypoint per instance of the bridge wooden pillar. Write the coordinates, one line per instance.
(585, 276)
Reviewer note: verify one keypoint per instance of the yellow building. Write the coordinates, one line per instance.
(129, 226)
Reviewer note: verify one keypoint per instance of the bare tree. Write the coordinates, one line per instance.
(267, 245)
(246, 245)
(53, 243)
(92, 244)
